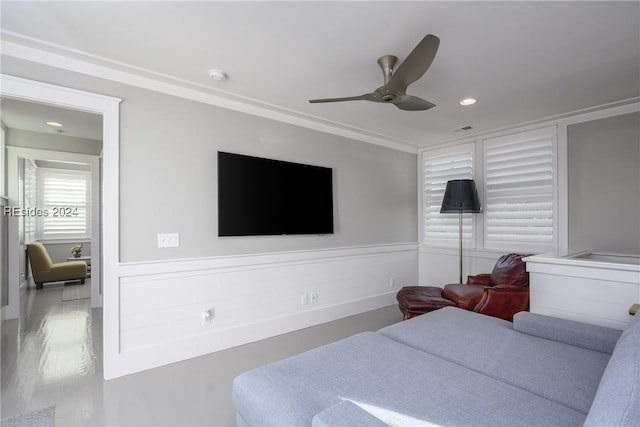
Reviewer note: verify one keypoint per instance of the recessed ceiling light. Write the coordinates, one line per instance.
(55, 124)
(216, 74)
(468, 101)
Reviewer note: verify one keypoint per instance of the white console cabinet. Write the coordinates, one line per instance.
(587, 287)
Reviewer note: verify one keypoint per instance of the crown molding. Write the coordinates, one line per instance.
(41, 52)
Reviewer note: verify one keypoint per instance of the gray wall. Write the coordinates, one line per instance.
(53, 142)
(169, 177)
(168, 174)
(59, 252)
(604, 185)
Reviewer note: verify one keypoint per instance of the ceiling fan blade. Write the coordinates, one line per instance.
(414, 66)
(365, 97)
(412, 103)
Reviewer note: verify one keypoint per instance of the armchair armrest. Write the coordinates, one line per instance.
(483, 279)
(592, 337)
(503, 301)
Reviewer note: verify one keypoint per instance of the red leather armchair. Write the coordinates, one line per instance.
(502, 293)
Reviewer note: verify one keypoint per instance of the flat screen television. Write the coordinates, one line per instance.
(258, 196)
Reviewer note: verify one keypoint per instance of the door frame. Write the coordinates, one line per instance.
(109, 108)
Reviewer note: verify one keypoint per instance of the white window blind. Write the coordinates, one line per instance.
(519, 191)
(30, 200)
(440, 166)
(65, 199)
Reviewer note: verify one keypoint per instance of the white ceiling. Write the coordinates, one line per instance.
(33, 117)
(523, 61)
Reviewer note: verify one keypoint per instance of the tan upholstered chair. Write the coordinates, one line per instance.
(44, 270)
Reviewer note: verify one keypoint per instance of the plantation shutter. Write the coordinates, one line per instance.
(65, 198)
(30, 200)
(440, 166)
(519, 191)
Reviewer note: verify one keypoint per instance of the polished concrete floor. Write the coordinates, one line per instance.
(53, 356)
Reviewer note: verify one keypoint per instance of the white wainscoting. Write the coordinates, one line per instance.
(252, 297)
(584, 289)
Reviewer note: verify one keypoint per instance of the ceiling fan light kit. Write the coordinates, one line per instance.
(396, 81)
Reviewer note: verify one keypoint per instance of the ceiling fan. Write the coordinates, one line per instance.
(394, 90)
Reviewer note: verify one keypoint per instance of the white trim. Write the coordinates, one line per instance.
(257, 260)
(602, 112)
(584, 115)
(562, 189)
(108, 107)
(146, 79)
(2, 161)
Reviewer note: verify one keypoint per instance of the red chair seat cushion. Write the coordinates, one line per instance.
(464, 296)
(416, 300)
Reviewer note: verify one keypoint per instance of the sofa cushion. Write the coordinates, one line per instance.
(397, 384)
(617, 402)
(346, 413)
(560, 372)
(593, 337)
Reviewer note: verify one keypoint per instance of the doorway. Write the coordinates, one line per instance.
(108, 107)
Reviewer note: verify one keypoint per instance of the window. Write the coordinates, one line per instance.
(440, 166)
(519, 191)
(64, 196)
(516, 179)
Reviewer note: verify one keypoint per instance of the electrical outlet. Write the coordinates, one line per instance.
(304, 300)
(392, 283)
(313, 297)
(171, 240)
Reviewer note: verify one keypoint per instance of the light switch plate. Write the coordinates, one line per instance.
(171, 240)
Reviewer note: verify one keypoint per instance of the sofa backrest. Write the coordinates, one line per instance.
(617, 401)
(511, 270)
(38, 257)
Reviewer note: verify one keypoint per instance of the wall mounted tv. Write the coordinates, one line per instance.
(258, 197)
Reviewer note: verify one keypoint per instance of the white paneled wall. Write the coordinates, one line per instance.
(586, 289)
(252, 297)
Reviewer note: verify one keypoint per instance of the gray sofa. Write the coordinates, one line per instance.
(454, 367)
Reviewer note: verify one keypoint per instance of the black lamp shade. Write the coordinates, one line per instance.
(461, 196)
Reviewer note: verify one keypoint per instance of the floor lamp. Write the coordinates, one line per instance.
(460, 197)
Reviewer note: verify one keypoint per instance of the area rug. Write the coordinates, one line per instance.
(44, 417)
(75, 291)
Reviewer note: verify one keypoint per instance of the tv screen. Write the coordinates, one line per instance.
(259, 196)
